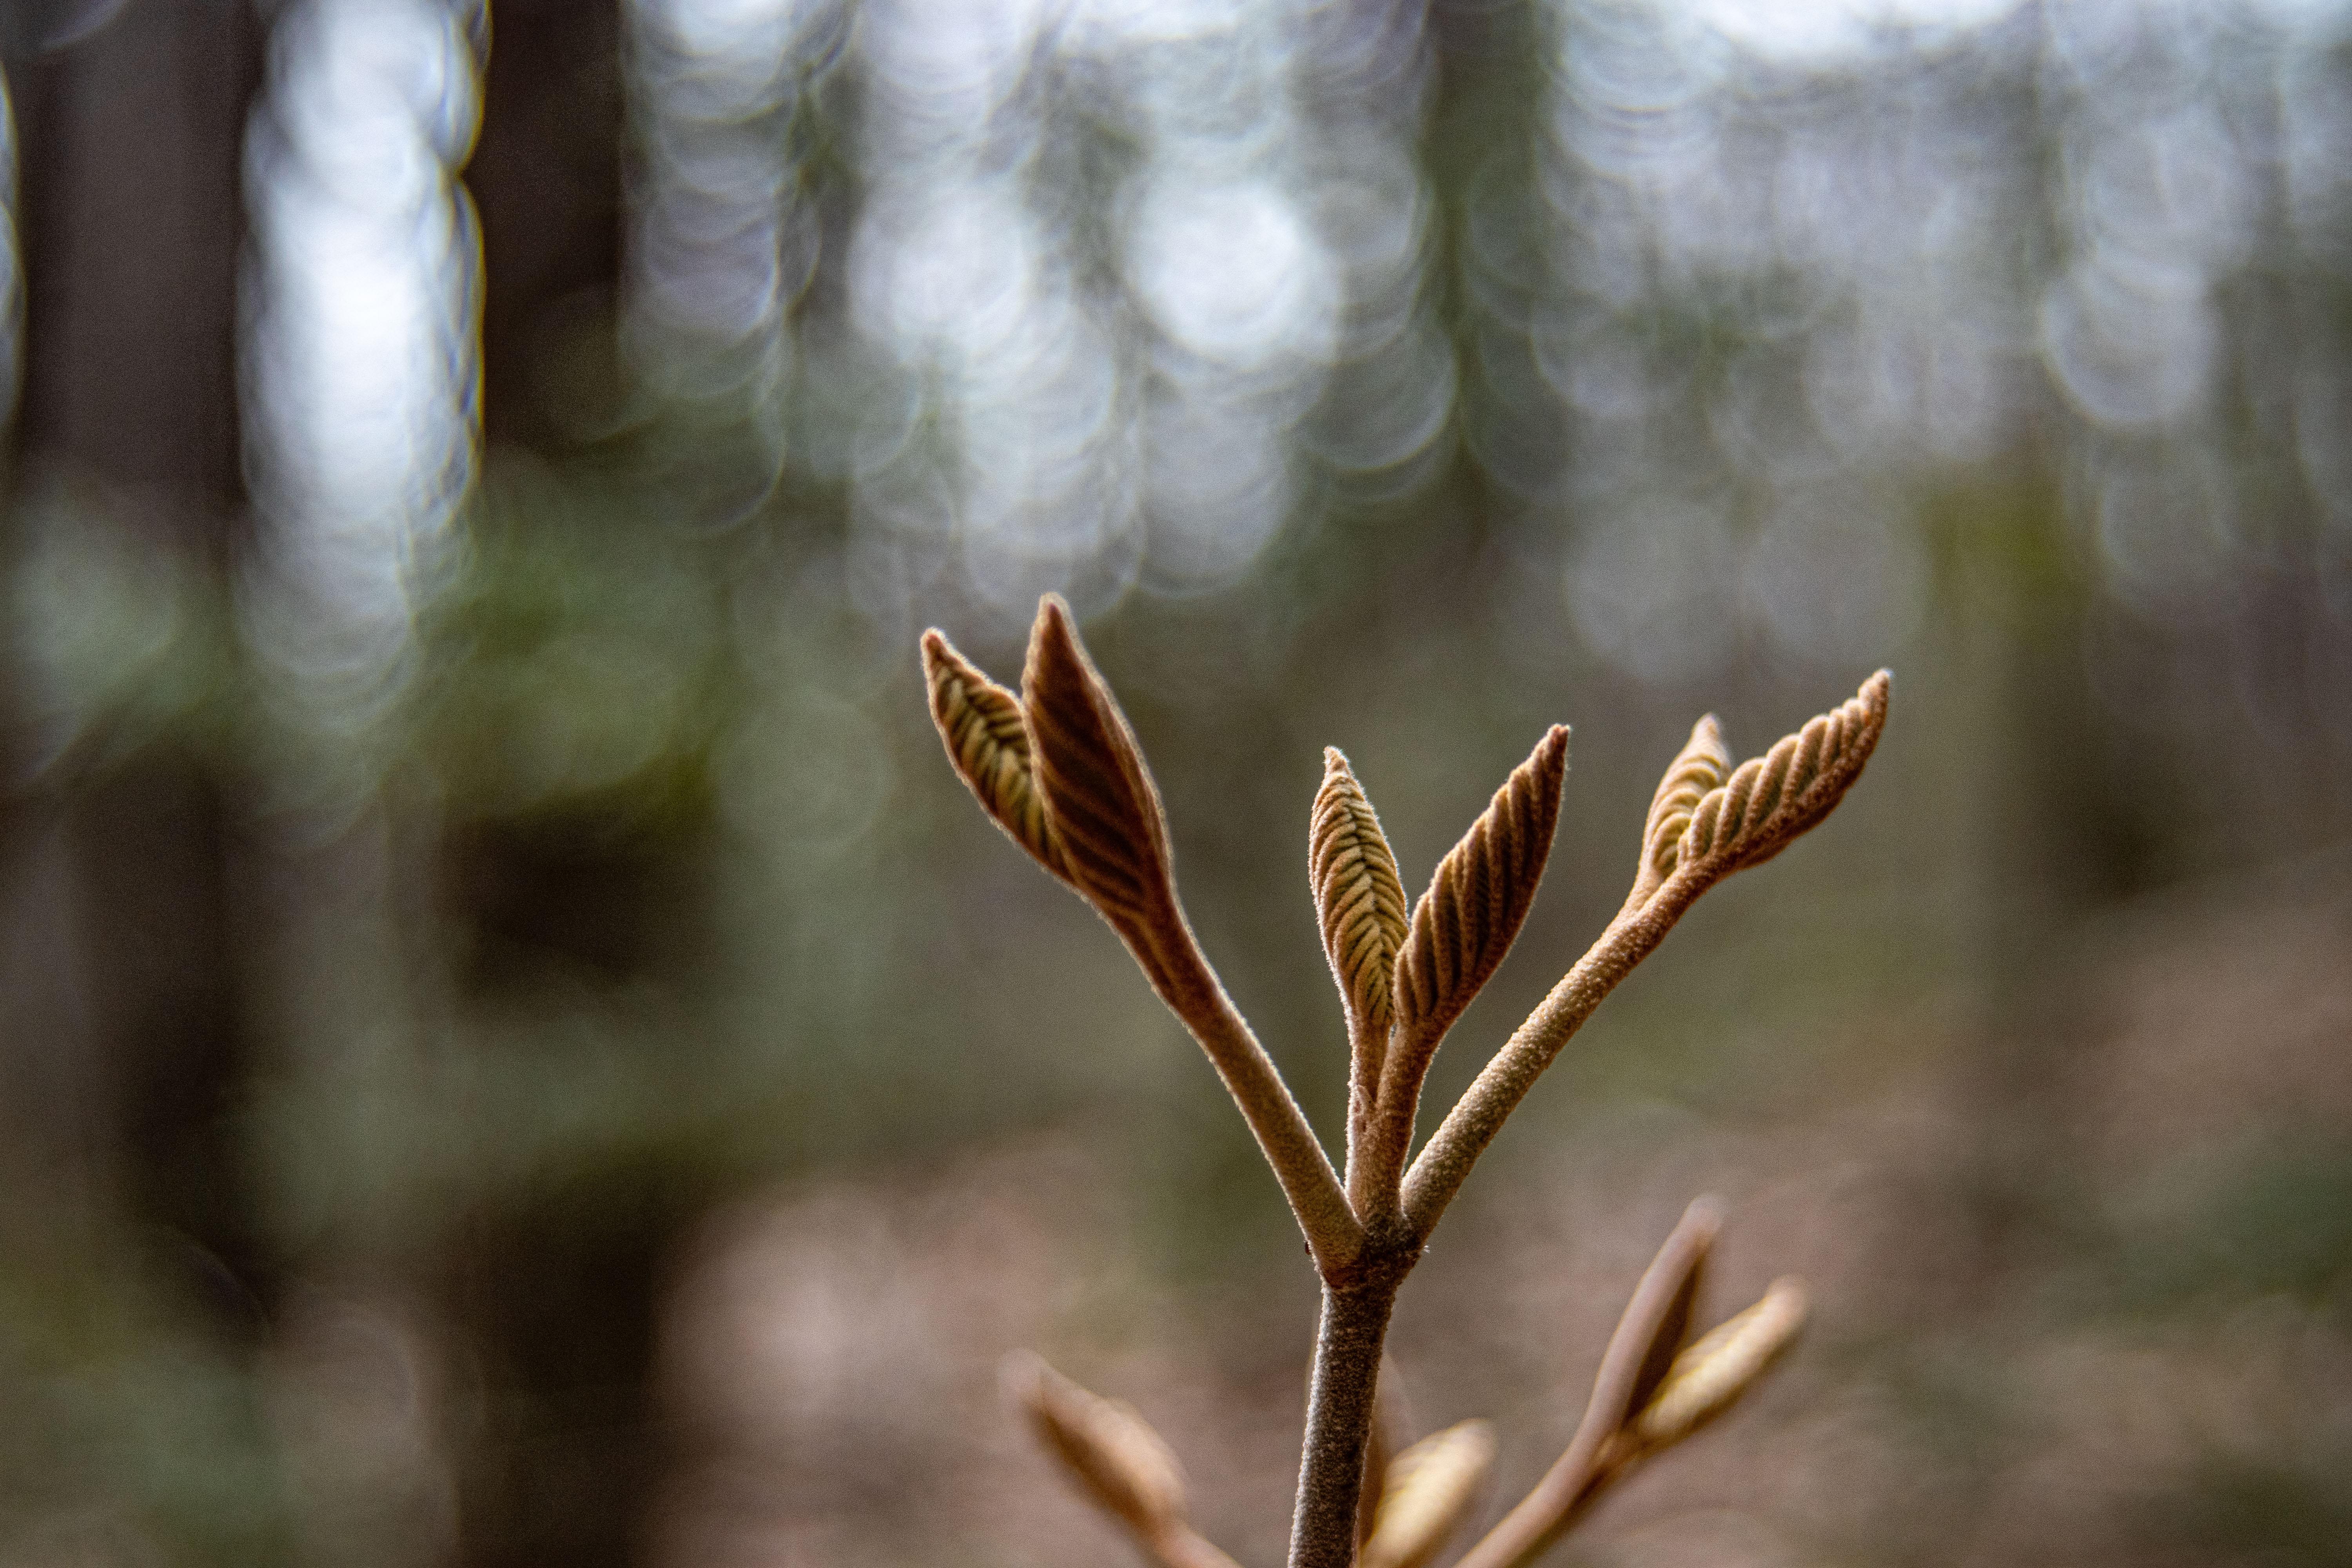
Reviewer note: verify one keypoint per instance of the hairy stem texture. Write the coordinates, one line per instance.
(1471, 1125)
(1340, 1420)
(1249, 1075)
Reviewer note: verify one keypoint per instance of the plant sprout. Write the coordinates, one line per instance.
(1057, 767)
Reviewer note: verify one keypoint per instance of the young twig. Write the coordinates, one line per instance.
(1649, 1333)
(1765, 803)
(1058, 769)
(1461, 929)
(1702, 1382)
(1098, 826)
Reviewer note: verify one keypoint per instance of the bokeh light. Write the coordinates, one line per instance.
(362, 374)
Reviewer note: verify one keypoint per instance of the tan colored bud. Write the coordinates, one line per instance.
(1481, 893)
(1358, 898)
(987, 738)
(1700, 766)
(1430, 1490)
(1721, 1366)
(1770, 800)
(1105, 1445)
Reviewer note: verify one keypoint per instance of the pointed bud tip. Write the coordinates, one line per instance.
(1550, 756)
(938, 653)
(1054, 639)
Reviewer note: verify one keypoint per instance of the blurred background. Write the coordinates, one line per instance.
(515, 1048)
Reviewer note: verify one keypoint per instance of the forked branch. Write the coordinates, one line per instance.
(1651, 1391)
(1103, 831)
(1058, 769)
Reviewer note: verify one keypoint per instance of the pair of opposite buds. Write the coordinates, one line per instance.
(1655, 1386)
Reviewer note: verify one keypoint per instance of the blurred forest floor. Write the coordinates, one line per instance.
(2155, 1370)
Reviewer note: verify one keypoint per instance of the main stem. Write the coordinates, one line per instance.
(1339, 1418)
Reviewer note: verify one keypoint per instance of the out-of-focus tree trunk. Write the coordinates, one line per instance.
(546, 181)
(555, 1291)
(121, 976)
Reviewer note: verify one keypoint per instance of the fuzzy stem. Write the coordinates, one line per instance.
(1591, 1462)
(1545, 1514)
(1371, 1179)
(1339, 1418)
(1471, 1125)
(1188, 985)
(1388, 1138)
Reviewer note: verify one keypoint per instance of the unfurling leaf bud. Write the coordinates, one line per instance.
(1719, 1367)
(1429, 1491)
(1465, 924)
(1107, 1446)
(1100, 803)
(988, 741)
(1699, 767)
(1359, 897)
(1770, 800)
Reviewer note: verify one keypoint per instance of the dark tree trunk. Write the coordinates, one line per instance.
(131, 220)
(556, 1289)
